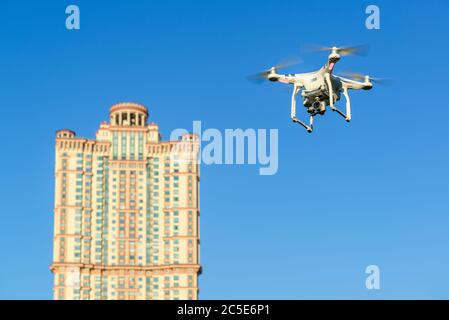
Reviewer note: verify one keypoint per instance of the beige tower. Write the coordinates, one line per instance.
(126, 212)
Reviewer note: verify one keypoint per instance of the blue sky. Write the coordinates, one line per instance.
(345, 197)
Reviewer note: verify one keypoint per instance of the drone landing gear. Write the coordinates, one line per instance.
(347, 116)
(340, 113)
(309, 127)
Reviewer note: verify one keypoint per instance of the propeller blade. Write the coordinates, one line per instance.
(260, 77)
(288, 62)
(360, 50)
(361, 77)
(315, 48)
(353, 75)
(382, 81)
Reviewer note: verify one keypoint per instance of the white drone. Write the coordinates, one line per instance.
(320, 88)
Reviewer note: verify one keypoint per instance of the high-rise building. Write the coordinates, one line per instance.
(126, 217)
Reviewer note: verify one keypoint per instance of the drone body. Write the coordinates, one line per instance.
(320, 89)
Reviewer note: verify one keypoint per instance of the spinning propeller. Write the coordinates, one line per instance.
(361, 50)
(361, 77)
(262, 76)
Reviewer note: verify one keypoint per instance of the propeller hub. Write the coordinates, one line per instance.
(334, 57)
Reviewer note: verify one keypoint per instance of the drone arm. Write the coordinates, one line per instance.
(296, 79)
(355, 85)
(283, 79)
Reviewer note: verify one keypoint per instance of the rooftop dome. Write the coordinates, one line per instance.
(128, 114)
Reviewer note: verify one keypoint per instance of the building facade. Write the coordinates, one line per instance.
(126, 216)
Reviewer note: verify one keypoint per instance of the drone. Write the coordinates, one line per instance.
(321, 89)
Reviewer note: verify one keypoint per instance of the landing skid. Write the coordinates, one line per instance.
(308, 128)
